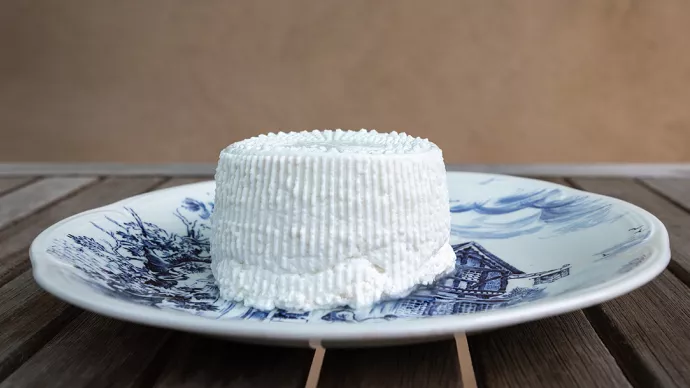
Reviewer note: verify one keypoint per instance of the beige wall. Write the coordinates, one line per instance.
(489, 81)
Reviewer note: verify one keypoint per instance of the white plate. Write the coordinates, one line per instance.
(526, 250)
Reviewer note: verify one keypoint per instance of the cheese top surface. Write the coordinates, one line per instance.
(321, 219)
(337, 141)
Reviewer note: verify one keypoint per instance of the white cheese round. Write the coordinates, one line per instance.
(320, 219)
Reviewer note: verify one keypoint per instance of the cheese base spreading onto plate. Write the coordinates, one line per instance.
(312, 220)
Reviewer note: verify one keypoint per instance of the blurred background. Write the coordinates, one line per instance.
(488, 81)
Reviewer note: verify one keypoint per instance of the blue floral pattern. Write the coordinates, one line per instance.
(138, 261)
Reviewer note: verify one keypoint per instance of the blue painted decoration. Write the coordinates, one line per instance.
(551, 210)
(632, 264)
(141, 262)
(637, 236)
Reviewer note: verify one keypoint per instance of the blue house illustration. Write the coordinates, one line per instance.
(479, 283)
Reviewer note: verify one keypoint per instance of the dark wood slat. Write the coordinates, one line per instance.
(26, 336)
(26, 200)
(562, 351)
(646, 330)
(28, 319)
(9, 184)
(184, 181)
(92, 351)
(196, 361)
(15, 241)
(678, 190)
(433, 364)
(13, 265)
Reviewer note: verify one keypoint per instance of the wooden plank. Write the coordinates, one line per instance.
(196, 361)
(32, 316)
(13, 265)
(9, 184)
(433, 364)
(562, 351)
(92, 351)
(15, 241)
(28, 319)
(184, 181)
(646, 330)
(678, 190)
(113, 169)
(207, 169)
(26, 200)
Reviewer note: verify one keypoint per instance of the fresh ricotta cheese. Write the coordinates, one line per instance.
(312, 220)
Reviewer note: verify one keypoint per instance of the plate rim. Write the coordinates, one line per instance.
(658, 244)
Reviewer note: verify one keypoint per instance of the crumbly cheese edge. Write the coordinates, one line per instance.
(356, 283)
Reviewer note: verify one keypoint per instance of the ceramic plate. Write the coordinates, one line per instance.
(526, 249)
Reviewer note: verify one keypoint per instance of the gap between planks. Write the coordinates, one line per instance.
(467, 376)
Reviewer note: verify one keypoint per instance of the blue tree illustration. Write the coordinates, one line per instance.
(150, 264)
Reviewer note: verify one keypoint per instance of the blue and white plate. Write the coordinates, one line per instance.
(526, 249)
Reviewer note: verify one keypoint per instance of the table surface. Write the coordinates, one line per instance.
(641, 339)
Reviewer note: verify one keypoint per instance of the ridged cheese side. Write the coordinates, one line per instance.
(341, 222)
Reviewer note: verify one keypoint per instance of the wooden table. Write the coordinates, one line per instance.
(641, 339)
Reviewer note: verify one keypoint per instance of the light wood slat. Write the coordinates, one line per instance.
(676, 220)
(465, 364)
(184, 181)
(316, 364)
(92, 351)
(562, 351)
(647, 330)
(196, 361)
(28, 319)
(433, 364)
(22, 202)
(9, 184)
(15, 241)
(678, 190)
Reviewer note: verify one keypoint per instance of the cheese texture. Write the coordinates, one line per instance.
(313, 220)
